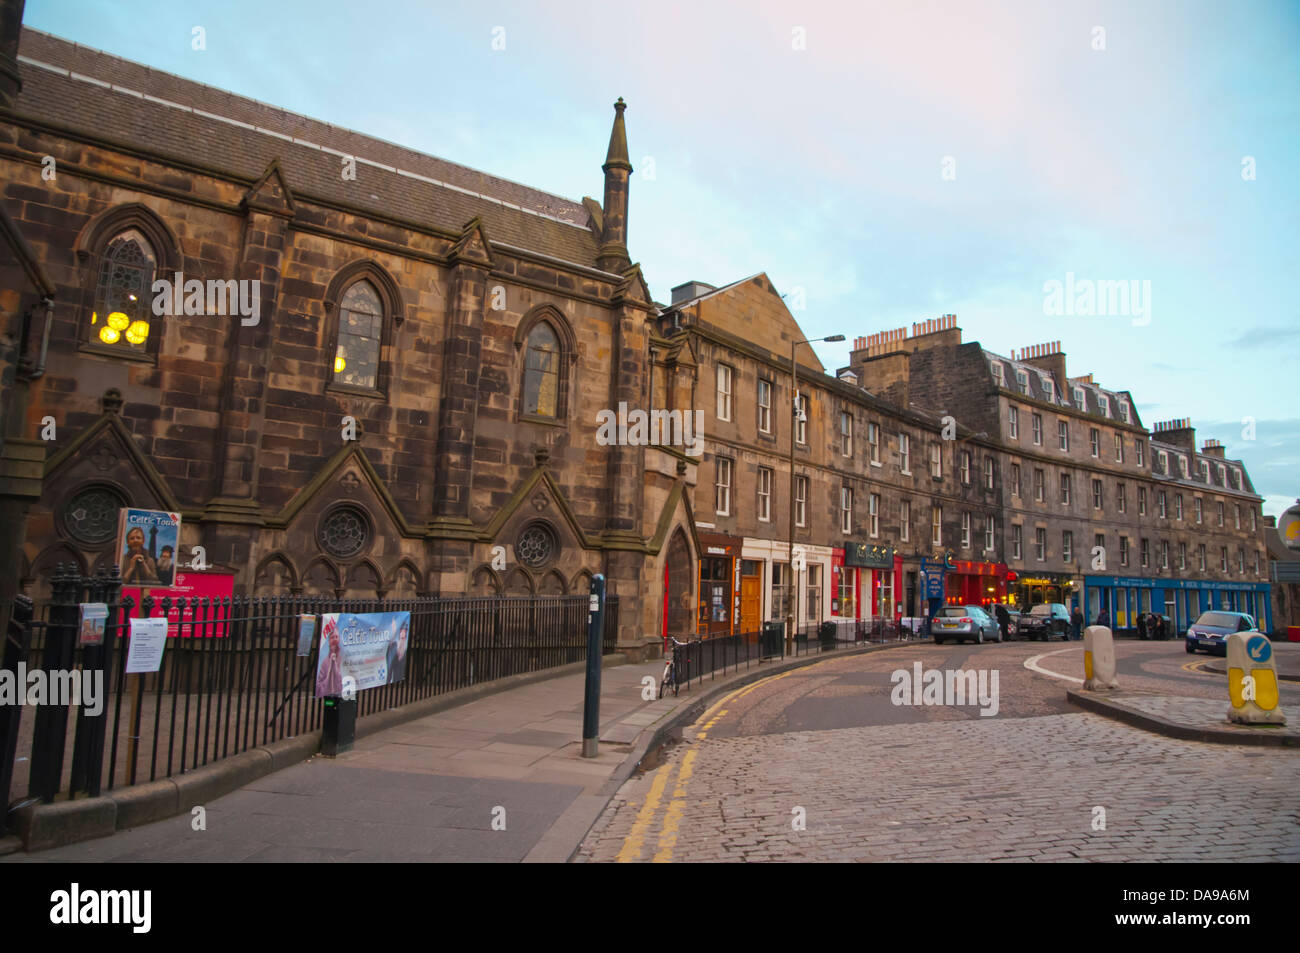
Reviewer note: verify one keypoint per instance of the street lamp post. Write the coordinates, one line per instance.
(792, 602)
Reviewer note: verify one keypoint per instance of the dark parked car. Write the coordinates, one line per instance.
(964, 623)
(1211, 630)
(1045, 621)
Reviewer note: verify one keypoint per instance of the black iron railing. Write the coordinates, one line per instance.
(231, 678)
(717, 655)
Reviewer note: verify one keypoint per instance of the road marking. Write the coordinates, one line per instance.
(1033, 666)
(631, 849)
(636, 837)
(673, 816)
(1195, 666)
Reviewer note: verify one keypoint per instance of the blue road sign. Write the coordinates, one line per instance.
(1259, 648)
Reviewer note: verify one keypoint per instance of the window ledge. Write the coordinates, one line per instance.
(354, 391)
(123, 354)
(544, 421)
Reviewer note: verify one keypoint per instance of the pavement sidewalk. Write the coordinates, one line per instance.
(500, 778)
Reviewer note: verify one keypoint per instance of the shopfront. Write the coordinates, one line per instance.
(1028, 591)
(976, 584)
(871, 583)
(720, 584)
(1123, 597)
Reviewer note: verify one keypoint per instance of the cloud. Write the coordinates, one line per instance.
(1264, 337)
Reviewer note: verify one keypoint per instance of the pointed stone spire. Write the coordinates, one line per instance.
(613, 254)
(617, 154)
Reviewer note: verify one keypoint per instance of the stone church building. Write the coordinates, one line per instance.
(371, 372)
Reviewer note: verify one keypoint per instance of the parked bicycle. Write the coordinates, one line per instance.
(673, 670)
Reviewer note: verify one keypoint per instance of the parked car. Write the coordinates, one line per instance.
(1046, 620)
(1211, 630)
(964, 623)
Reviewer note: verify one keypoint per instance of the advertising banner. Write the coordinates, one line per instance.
(369, 648)
(147, 546)
(191, 585)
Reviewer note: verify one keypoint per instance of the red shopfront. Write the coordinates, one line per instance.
(976, 584)
(867, 581)
(720, 585)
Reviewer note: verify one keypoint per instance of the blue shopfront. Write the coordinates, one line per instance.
(1123, 597)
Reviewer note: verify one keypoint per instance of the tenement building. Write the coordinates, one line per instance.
(352, 368)
(1095, 509)
(880, 498)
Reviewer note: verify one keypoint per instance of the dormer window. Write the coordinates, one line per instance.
(997, 374)
(1022, 381)
(1080, 398)
(1049, 390)
(1104, 402)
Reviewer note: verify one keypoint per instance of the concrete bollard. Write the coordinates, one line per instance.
(1099, 659)
(1252, 680)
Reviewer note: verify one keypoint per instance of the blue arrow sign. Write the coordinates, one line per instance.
(1259, 649)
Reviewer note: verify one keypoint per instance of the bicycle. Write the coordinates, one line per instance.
(671, 670)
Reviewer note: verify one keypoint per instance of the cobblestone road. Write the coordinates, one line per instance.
(873, 781)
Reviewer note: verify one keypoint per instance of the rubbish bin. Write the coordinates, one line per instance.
(339, 725)
(827, 634)
(1293, 633)
(773, 642)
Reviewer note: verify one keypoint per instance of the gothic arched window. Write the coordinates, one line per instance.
(122, 309)
(361, 332)
(542, 372)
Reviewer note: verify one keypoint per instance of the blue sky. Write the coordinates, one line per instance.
(824, 165)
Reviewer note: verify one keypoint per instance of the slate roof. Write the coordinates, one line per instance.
(1196, 472)
(1063, 392)
(164, 115)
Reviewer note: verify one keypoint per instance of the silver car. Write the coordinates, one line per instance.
(964, 623)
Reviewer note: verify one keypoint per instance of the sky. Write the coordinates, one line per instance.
(882, 163)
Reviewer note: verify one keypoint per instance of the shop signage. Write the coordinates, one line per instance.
(1127, 582)
(867, 556)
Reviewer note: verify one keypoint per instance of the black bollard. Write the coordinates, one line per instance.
(595, 641)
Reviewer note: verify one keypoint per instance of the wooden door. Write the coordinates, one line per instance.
(751, 604)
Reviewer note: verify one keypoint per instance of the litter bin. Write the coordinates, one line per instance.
(1293, 633)
(773, 642)
(827, 634)
(339, 725)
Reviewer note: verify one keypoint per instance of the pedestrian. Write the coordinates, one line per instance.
(1142, 626)
(1004, 619)
(1162, 632)
(1076, 623)
(1103, 617)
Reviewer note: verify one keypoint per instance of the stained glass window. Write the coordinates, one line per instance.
(542, 373)
(361, 325)
(124, 293)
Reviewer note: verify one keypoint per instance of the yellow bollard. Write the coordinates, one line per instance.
(1252, 680)
(1099, 659)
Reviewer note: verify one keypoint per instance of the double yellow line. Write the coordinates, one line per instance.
(637, 836)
